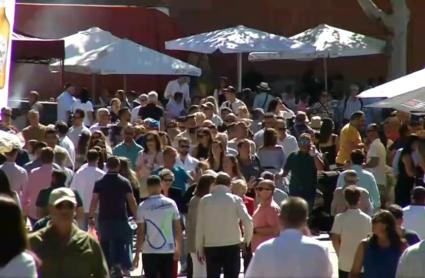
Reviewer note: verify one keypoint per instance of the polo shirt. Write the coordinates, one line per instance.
(158, 213)
(352, 226)
(303, 179)
(349, 136)
(112, 189)
(181, 177)
(80, 257)
(131, 152)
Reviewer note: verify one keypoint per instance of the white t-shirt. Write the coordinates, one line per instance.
(414, 219)
(158, 214)
(377, 149)
(65, 102)
(352, 226)
(87, 107)
(23, 265)
(174, 86)
(84, 181)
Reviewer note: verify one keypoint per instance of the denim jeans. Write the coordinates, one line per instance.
(115, 240)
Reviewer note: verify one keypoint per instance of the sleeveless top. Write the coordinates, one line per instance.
(404, 184)
(329, 152)
(380, 262)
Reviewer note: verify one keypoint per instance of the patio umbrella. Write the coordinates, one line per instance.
(399, 86)
(239, 39)
(411, 102)
(329, 42)
(127, 57)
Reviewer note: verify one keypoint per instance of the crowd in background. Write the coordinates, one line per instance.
(201, 182)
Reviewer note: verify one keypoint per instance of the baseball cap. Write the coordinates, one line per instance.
(230, 89)
(60, 195)
(151, 123)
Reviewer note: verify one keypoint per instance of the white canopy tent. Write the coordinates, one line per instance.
(95, 51)
(329, 42)
(239, 39)
(403, 85)
(127, 57)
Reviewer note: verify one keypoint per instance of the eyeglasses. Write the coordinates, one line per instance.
(143, 100)
(168, 180)
(65, 205)
(184, 147)
(259, 189)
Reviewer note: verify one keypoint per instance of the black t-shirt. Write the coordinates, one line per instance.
(411, 237)
(43, 198)
(112, 190)
(151, 111)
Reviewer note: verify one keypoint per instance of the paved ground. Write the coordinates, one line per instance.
(137, 272)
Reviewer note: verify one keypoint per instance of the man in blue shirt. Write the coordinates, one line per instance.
(128, 147)
(366, 178)
(181, 178)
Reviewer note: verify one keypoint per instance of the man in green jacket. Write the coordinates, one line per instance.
(65, 250)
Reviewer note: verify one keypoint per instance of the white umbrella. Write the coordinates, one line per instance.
(329, 42)
(127, 57)
(239, 39)
(400, 86)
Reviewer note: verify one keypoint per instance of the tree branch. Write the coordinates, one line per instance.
(374, 12)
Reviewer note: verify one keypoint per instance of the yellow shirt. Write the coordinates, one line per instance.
(348, 138)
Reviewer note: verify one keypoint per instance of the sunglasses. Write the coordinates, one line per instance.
(259, 189)
(184, 147)
(168, 180)
(65, 205)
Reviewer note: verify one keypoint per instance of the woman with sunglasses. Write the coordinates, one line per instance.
(149, 160)
(266, 216)
(378, 255)
(205, 140)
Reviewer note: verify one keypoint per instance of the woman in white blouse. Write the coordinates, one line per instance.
(15, 261)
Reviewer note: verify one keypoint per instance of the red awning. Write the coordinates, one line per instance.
(27, 49)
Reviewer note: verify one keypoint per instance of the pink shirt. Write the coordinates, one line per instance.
(266, 215)
(39, 179)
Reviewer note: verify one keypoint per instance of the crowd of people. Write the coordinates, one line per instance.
(197, 185)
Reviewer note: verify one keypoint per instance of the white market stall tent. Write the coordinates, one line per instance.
(238, 40)
(328, 42)
(127, 57)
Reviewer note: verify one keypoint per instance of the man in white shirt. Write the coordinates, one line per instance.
(52, 140)
(287, 141)
(414, 215)
(184, 159)
(17, 176)
(350, 104)
(143, 100)
(77, 127)
(64, 141)
(65, 103)
(348, 230)
(231, 101)
(376, 159)
(291, 254)
(159, 233)
(180, 84)
(84, 180)
(218, 235)
(411, 263)
(103, 120)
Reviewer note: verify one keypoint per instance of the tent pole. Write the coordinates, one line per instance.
(125, 83)
(239, 70)
(62, 72)
(93, 86)
(325, 72)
